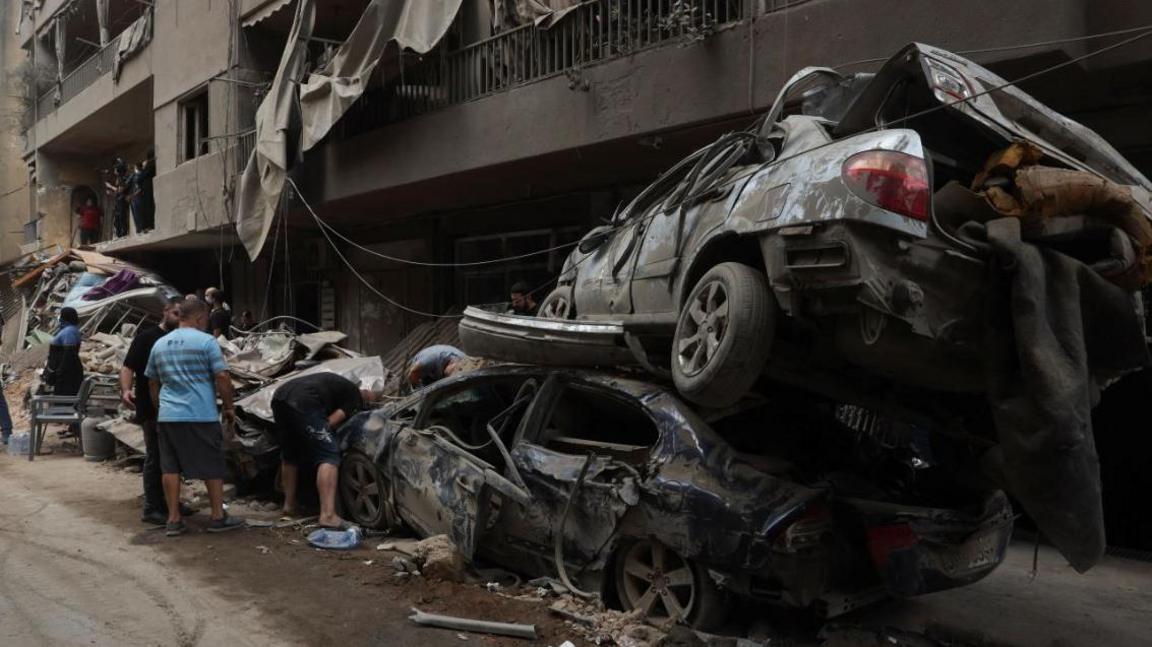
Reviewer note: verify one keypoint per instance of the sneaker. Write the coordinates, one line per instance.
(226, 523)
(154, 517)
(175, 529)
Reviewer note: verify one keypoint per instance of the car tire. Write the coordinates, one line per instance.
(724, 335)
(365, 493)
(645, 567)
(558, 304)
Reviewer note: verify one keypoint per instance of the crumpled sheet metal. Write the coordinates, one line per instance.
(125, 431)
(365, 370)
(1059, 334)
(265, 355)
(1039, 193)
(315, 343)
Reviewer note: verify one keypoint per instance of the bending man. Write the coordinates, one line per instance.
(308, 411)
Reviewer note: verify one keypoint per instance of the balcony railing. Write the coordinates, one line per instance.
(78, 79)
(592, 32)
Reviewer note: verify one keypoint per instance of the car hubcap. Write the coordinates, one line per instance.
(704, 328)
(657, 581)
(362, 492)
(557, 308)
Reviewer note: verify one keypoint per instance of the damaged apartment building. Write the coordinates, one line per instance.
(474, 130)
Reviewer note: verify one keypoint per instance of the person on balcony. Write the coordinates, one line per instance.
(141, 196)
(91, 217)
(118, 190)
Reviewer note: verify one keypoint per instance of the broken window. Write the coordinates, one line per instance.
(468, 411)
(587, 419)
(194, 127)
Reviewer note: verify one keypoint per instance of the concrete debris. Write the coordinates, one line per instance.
(405, 567)
(264, 550)
(438, 558)
(599, 625)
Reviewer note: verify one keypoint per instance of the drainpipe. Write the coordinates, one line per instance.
(102, 18)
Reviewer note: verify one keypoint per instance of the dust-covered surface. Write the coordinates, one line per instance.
(68, 526)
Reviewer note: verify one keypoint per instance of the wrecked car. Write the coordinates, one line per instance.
(620, 485)
(842, 221)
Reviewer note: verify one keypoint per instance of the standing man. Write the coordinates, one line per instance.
(64, 371)
(140, 399)
(522, 301)
(118, 189)
(433, 364)
(220, 320)
(308, 410)
(90, 218)
(186, 372)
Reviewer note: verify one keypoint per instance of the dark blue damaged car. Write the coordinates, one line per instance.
(617, 485)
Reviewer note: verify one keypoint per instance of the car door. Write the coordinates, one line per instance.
(699, 203)
(551, 471)
(441, 483)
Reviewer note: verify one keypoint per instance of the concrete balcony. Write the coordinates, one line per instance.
(608, 97)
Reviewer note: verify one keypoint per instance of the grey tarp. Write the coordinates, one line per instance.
(1059, 334)
(267, 169)
(414, 24)
(131, 41)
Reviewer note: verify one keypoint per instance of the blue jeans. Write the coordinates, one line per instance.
(5, 419)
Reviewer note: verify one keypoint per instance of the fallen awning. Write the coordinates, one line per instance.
(325, 96)
(265, 12)
(328, 94)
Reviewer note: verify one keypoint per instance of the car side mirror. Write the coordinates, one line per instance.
(593, 241)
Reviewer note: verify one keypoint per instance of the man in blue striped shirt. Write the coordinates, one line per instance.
(186, 371)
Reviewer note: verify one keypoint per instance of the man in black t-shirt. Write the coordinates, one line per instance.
(140, 399)
(220, 319)
(309, 411)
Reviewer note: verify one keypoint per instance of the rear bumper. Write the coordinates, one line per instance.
(547, 342)
(923, 550)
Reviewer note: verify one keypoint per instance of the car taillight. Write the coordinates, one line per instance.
(890, 180)
(885, 540)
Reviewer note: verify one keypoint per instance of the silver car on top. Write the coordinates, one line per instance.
(824, 237)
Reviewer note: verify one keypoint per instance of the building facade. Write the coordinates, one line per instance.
(510, 136)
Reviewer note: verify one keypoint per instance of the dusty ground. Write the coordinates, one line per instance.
(77, 567)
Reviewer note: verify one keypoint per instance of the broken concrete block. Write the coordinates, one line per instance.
(439, 559)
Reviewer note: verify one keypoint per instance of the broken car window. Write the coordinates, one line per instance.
(586, 419)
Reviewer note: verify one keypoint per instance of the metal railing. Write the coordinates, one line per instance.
(591, 32)
(80, 78)
(242, 150)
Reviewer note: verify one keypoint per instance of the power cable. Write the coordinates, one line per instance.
(1009, 48)
(407, 261)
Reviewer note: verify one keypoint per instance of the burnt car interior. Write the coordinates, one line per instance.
(586, 419)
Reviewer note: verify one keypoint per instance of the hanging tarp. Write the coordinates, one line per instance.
(267, 169)
(132, 41)
(412, 24)
(265, 12)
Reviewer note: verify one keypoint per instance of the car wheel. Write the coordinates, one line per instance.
(723, 335)
(558, 304)
(365, 493)
(652, 577)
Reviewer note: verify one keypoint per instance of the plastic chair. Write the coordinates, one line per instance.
(57, 409)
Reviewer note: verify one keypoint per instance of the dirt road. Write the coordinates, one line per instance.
(78, 567)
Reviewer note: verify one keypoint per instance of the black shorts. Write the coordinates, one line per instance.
(195, 449)
(304, 435)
